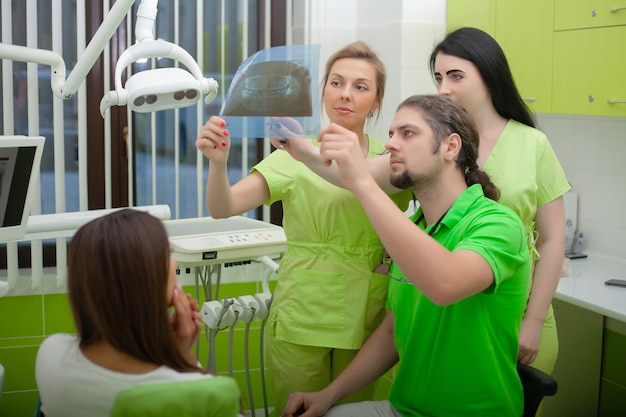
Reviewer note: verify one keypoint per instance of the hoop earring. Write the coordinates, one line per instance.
(370, 115)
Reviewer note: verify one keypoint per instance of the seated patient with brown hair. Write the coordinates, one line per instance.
(121, 282)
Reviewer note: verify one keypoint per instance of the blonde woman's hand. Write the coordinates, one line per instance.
(214, 140)
(529, 340)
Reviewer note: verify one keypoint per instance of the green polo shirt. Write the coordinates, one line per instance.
(460, 359)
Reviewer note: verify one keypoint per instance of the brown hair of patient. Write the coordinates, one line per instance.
(117, 284)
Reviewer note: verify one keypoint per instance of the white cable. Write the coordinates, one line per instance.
(262, 365)
(247, 365)
(231, 338)
(266, 301)
(211, 364)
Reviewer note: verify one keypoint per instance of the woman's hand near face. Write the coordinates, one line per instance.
(185, 319)
(214, 140)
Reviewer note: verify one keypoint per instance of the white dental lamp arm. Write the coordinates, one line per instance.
(146, 16)
(38, 56)
(96, 45)
(176, 82)
(60, 86)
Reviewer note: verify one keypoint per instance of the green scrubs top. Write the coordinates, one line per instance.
(326, 294)
(525, 168)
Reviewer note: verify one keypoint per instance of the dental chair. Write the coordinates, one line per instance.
(207, 397)
(537, 384)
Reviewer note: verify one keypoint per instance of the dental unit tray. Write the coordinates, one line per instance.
(208, 241)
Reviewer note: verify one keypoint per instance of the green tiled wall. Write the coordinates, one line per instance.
(58, 315)
(21, 333)
(18, 404)
(22, 316)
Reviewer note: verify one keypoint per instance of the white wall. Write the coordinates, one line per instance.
(402, 32)
(592, 151)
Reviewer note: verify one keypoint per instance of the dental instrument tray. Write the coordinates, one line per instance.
(206, 241)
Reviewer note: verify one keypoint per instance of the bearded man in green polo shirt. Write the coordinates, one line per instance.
(460, 268)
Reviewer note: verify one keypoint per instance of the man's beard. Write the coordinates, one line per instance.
(402, 181)
(416, 182)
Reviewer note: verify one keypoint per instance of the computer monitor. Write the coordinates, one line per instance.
(20, 158)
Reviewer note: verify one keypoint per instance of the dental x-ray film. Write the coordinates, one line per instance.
(279, 82)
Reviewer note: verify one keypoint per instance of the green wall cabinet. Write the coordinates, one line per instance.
(522, 27)
(480, 14)
(578, 366)
(567, 57)
(588, 72)
(584, 14)
(612, 400)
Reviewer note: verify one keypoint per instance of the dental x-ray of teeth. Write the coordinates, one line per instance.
(275, 82)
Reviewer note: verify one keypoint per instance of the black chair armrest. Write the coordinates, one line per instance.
(537, 384)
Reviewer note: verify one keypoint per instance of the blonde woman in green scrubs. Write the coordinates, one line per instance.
(327, 300)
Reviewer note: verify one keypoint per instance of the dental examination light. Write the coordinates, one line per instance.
(146, 91)
(161, 88)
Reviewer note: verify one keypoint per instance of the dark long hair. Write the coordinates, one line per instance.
(446, 116)
(483, 51)
(118, 267)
